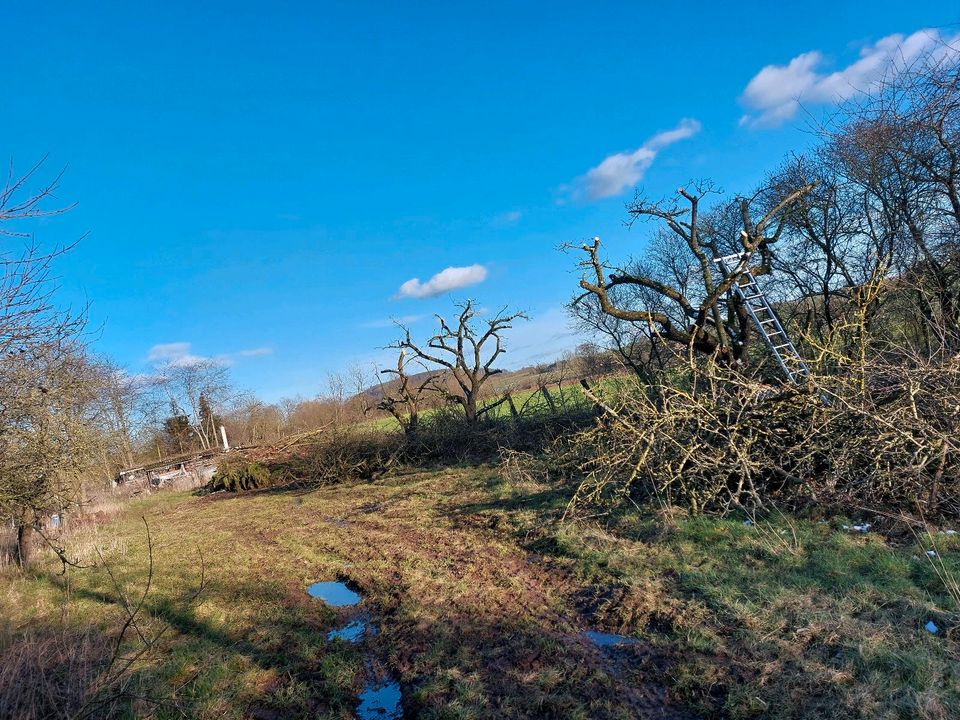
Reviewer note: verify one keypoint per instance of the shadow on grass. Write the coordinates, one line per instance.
(454, 665)
(50, 673)
(196, 666)
(510, 667)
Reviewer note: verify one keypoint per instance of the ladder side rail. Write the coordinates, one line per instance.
(801, 368)
(766, 339)
(792, 351)
(764, 306)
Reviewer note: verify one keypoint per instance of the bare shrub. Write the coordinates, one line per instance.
(338, 455)
(52, 675)
(444, 437)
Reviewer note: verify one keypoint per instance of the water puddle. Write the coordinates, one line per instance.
(351, 632)
(380, 701)
(602, 639)
(334, 594)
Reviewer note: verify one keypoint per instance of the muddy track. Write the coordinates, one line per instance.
(465, 611)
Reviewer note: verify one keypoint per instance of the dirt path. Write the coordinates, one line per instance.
(470, 623)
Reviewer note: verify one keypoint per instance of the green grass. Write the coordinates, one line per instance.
(763, 615)
(527, 402)
(480, 596)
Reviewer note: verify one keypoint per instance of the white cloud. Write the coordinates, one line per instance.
(164, 351)
(135, 380)
(775, 94)
(451, 278)
(625, 169)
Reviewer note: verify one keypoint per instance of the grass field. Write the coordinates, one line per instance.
(527, 401)
(481, 598)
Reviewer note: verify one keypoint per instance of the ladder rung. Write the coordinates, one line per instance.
(749, 291)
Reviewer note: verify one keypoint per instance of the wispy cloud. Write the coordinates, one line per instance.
(623, 170)
(180, 354)
(175, 354)
(505, 219)
(390, 322)
(135, 380)
(776, 93)
(256, 352)
(448, 279)
(545, 337)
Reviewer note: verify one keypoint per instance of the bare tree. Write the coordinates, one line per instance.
(49, 438)
(336, 396)
(873, 249)
(403, 396)
(303, 415)
(195, 389)
(361, 378)
(633, 346)
(251, 421)
(463, 350)
(688, 305)
(27, 313)
(126, 404)
(45, 422)
(836, 249)
(900, 146)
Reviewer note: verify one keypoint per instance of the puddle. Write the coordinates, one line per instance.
(351, 632)
(335, 594)
(602, 639)
(380, 702)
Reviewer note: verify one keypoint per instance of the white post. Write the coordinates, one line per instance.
(223, 434)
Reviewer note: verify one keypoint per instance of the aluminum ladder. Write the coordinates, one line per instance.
(766, 320)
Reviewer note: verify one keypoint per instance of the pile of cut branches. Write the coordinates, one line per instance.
(884, 436)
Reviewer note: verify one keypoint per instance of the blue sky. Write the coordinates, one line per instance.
(260, 180)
